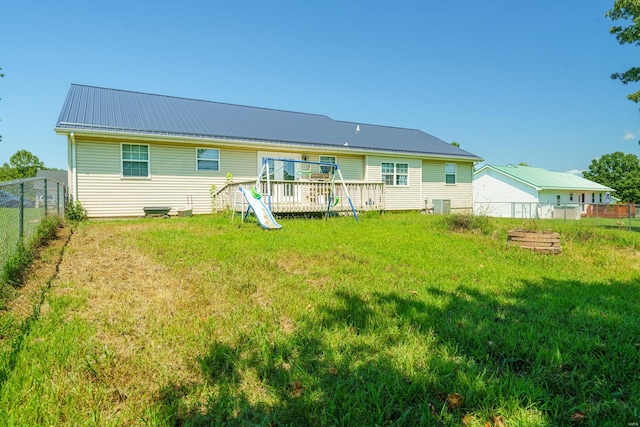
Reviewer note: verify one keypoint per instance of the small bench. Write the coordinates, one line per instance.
(154, 211)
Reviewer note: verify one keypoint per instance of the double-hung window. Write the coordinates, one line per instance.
(395, 173)
(449, 173)
(208, 159)
(326, 159)
(135, 160)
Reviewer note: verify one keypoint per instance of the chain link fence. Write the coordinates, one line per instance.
(23, 203)
(621, 215)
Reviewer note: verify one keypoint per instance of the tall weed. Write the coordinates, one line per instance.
(468, 222)
(15, 268)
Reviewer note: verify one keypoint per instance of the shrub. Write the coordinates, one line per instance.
(75, 212)
(467, 222)
(14, 270)
(16, 265)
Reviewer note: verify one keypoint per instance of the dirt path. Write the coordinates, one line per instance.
(42, 272)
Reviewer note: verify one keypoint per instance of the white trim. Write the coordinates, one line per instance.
(455, 174)
(396, 174)
(211, 160)
(335, 160)
(74, 166)
(122, 160)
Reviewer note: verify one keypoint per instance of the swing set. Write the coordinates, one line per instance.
(332, 171)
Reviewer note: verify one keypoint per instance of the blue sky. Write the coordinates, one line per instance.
(510, 81)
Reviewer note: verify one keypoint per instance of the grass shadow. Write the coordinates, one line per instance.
(538, 353)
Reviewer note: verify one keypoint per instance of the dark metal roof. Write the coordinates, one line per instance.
(101, 109)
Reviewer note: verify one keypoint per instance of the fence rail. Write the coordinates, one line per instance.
(23, 204)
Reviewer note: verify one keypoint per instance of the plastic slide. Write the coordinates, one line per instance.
(264, 215)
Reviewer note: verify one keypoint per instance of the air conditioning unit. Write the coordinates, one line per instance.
(441, 206)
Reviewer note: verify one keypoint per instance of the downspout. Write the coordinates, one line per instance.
(74, 172)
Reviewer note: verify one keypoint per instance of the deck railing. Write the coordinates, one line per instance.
(305, 196)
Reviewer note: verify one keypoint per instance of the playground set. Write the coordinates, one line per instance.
(260, 204)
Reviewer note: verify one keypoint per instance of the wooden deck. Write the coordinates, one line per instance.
(304, 196)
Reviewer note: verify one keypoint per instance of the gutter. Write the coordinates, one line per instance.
(73, 166)
(261, 144)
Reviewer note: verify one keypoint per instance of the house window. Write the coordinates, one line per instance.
(558, 200)
(208, 159)
(593, 197)
(571, 197)
(449, 173)
(135, 160)
(402, 174)
(600, 197)
(395, 173)
(326, 159)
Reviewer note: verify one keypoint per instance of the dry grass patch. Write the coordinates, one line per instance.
(137, 308)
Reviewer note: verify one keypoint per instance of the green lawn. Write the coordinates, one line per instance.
(9, 228)
(395, 320)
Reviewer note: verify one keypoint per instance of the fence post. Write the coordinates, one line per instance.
(65, 199)
(58, 197)
(45, 197)
(21, 213)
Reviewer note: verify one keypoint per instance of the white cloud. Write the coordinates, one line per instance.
(629, 136)
(575, 172)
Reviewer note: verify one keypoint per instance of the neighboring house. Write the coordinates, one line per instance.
(56, 185)
(129, 150)
(527, 192)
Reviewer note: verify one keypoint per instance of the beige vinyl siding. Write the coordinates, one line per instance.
(243, 164)
(398, 197)
(465, 173)
(105, 193)
(433, 171)
(351, 167)
(434, 187)
(461, 195)
(181, 161)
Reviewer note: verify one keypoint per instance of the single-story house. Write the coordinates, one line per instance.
(129, 150)
(516, 191)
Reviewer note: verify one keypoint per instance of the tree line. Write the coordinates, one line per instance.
(22, 164)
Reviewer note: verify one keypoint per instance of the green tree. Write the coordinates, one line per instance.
(628, 11)
(455, 144)
(619, 171)
(23, 164)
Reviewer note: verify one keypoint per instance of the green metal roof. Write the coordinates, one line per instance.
(543, 179)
